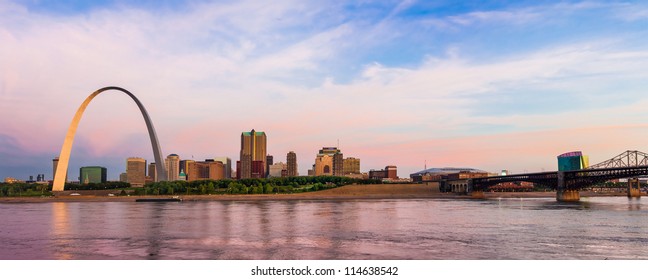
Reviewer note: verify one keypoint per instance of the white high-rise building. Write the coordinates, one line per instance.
(278, 169)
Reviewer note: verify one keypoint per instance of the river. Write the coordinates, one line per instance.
(538, 228)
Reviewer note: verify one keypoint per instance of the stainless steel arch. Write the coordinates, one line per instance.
(64, 157)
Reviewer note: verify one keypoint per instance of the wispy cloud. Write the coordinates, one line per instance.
(309, 74)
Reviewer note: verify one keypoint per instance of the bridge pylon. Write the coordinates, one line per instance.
(563, 194)
(567, 195)
(479, 193)
(634, 188)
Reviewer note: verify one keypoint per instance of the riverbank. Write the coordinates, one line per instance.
(385, 191)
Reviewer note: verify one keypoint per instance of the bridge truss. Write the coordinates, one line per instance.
(569, 180)
(628, 158)
(578, 179)
(626, 165)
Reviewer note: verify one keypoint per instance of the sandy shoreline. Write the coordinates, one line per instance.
(396, 191)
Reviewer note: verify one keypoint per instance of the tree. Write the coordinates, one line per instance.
(268, 188)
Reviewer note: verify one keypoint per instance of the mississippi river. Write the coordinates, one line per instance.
(530, 228)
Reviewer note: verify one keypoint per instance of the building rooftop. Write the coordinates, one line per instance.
(329, 151)
(249, 133)
(571, 154)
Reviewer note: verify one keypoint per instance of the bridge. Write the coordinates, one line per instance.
(629, 164)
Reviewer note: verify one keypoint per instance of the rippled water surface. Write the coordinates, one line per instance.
(595, 228)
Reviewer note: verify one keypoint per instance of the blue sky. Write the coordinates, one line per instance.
(491, 85)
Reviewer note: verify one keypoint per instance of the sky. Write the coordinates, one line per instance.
(491, 85)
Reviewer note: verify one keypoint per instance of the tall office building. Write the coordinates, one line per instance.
(391, 171)
(92, 174)
(323, 165)
(291, 158)
(252, 161)
(123, 177)
(258, 169)
(54, 166)
(203, 170)
(227, 166)
(172, 165)
(136, 171)
(329, 161)
(269, 161)
(244, 167)
(338, 164)
(184, 167)
(152, 173)
(278, 169)
(351, 165)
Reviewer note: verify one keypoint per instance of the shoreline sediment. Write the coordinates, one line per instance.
(351, 192)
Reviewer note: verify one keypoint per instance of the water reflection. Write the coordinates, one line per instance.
(154, 229)
(595, 228)
(634, 204)
(60, 231)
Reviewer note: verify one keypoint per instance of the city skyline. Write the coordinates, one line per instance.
(488, 86)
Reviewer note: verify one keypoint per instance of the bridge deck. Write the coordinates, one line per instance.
(572, 180)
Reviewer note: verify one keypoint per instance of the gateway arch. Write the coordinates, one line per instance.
(64, 158)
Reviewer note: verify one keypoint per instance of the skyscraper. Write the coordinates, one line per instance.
(244, 167)
(152, 172)
(351, 165)
(92, 174)
(329, 161)
(253, 155)
(269, 161)
(227, 166)
(172, 165)
(54, 165)
(338, 164)
(291, 158)
(136, 171)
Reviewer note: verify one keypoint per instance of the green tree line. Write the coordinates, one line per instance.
(34, 189)
(25, 189)
(250, 186)
(225, 186)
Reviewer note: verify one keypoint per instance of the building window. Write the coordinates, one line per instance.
(327, 169)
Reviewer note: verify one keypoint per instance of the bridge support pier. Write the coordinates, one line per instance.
(562, 193)
(567, 195)
(634, 188)
(474, 193)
